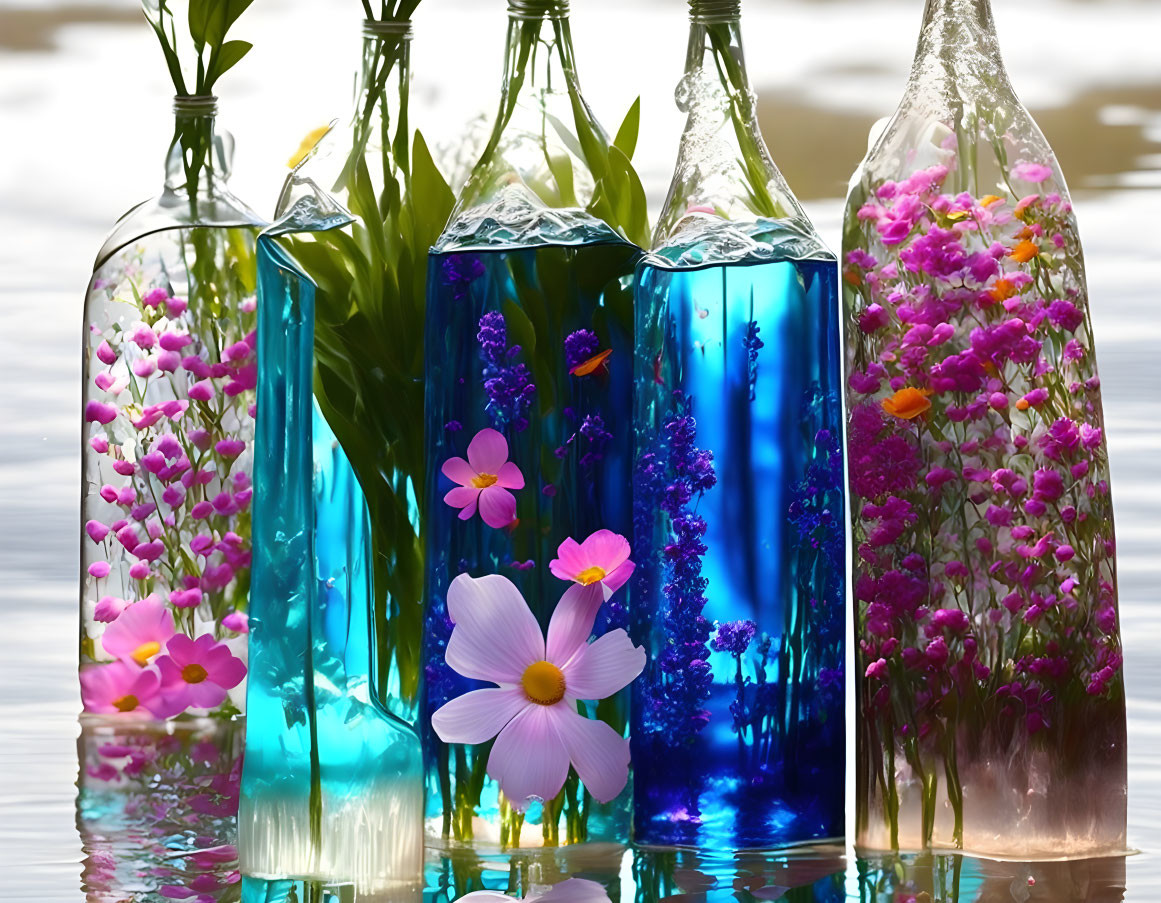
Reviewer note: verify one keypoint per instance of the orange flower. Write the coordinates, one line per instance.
(988, 199)
(1024, 251)
(850, 277)
(1002, 290)
(1022, 404)
(908, 403)
(597, 361)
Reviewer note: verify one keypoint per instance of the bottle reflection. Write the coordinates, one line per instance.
(949, 878)
(157, 810)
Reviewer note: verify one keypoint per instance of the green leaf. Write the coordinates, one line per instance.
(230, 53)
(630, 128)
(199, 11)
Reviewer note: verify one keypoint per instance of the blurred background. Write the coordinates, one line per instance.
(85, 122)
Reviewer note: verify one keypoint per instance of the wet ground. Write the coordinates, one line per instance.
(84, 123)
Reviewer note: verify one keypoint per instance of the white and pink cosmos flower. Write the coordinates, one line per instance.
(532, 712)
(603, 558)
(484, 479)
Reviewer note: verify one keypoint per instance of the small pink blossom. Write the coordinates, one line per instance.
(97, 531)
(99, 569)
(1031, 172)
(100, 412)
(175, 307)
(230, 448)
(197, 673)
(105, 353)
(485, 479)
(109, 608)
(119, 688)
(202, 390)
(602, 558)
(237, 621)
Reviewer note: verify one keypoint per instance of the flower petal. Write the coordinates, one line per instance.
(496, 636)
(458, 471)
(478, 716)
(574, 890)
(572, 623)
(469, 511)
(462, 497)
(603, 667)
(528, 759)
(599, 754)
(497, 507)
(618, 577)
(606, 549)
(569, 561)
(509, 476)
(488, 451)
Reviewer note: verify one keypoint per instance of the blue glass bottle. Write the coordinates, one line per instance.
(529, 334)
(738, 488)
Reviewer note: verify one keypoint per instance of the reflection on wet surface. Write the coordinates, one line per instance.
(86, 82)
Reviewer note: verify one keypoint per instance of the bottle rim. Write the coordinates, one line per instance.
(374, 28)
(538, 9)
(195, 105)
(710, 12)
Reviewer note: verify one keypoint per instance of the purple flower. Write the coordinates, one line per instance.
(507, 384)
(734, 637)
(579, 346)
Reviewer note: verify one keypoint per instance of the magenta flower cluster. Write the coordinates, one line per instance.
(169, 416)
(984, 563)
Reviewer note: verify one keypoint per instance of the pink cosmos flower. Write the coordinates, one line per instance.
(197, 673)
(532, 712)
(140, 632)
(602, 558)
(484, 480)
(119, 687)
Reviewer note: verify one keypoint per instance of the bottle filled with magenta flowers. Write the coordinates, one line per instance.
(738, 596)
(168, 405)
(528, 375)
(991, 710)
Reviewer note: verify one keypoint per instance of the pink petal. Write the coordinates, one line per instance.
(603, 667)
(509, 476)
(496, 636)
(205, 695)
(599, 754)
(528, 759)
(615, 580)
(497, 507)
(572, 623)
(462, 497)
(575, 890)
(230, 673)
(605, 549)
(468, 512)
(488, 451)
(478, 716)
(458, 471)
(569, 561)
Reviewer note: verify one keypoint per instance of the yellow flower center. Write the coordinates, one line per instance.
(484, 480)
(590, 575)
(125, 703)
(143, 653)
(543, 683)
(193, 674)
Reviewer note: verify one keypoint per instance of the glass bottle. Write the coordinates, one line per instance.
(332, 788)
(991, 712)
(169, 376)
(528, 353)
(737, 487)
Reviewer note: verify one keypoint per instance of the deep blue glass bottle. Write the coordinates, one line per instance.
(738, 488)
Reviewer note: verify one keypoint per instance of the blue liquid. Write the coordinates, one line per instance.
(576, 482)
(741, 746)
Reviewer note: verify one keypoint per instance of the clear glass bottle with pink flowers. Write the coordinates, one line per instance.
(169, 375)
(991, 700)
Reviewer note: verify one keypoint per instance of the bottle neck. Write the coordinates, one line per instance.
(381, 93)
(538, 58)
(954, 30)
(200, 159)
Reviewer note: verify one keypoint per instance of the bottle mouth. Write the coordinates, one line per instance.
(538, 9)
(373, 28)
(710, 12)
(195, 105)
